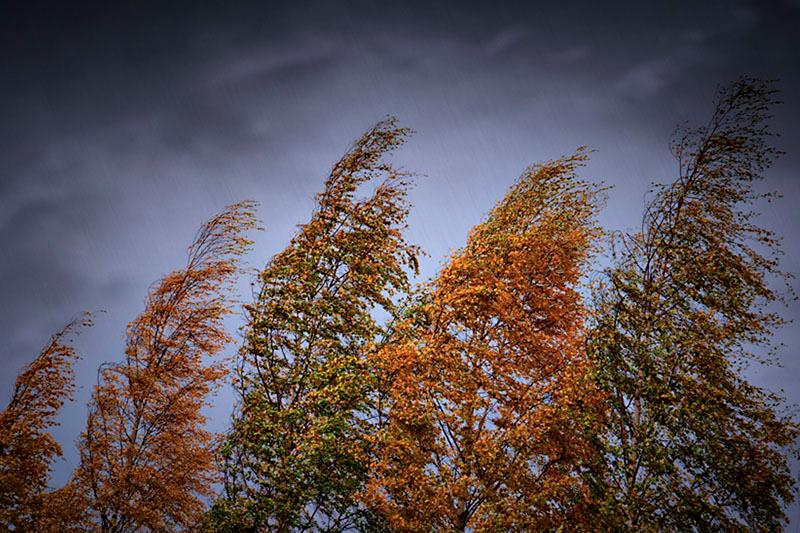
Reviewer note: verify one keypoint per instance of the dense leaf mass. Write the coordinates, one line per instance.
(690, 444)
(297, 453)
(488, 394)
(27, 449)
(520, 389)
(146, 460)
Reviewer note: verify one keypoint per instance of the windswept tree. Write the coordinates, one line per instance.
(491, 398)
(27, 448)
(147, 462)
(297, 452)
(692, 445)
(488, 396)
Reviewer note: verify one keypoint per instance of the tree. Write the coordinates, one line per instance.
(690, 443)
(146, 460)
(27, 448)
(297, 452)
(488, 386)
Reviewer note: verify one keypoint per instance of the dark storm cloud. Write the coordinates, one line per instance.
(125, 126)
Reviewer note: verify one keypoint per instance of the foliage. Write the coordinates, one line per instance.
(492, 398)
(488, 390)
(27, 448)
(146, 461)
(297, 453)
(690, 443)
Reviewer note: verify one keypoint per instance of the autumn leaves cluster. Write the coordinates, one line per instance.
(523, 388)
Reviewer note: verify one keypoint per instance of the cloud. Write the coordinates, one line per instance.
(570, 54)
(505, 39)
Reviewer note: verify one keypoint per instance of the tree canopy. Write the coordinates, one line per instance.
(489, 390)
(297, 453)
(540, 381)
(690, 443)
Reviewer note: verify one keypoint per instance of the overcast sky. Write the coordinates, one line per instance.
(123, 129)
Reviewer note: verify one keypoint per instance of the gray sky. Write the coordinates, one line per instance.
(124, 128)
